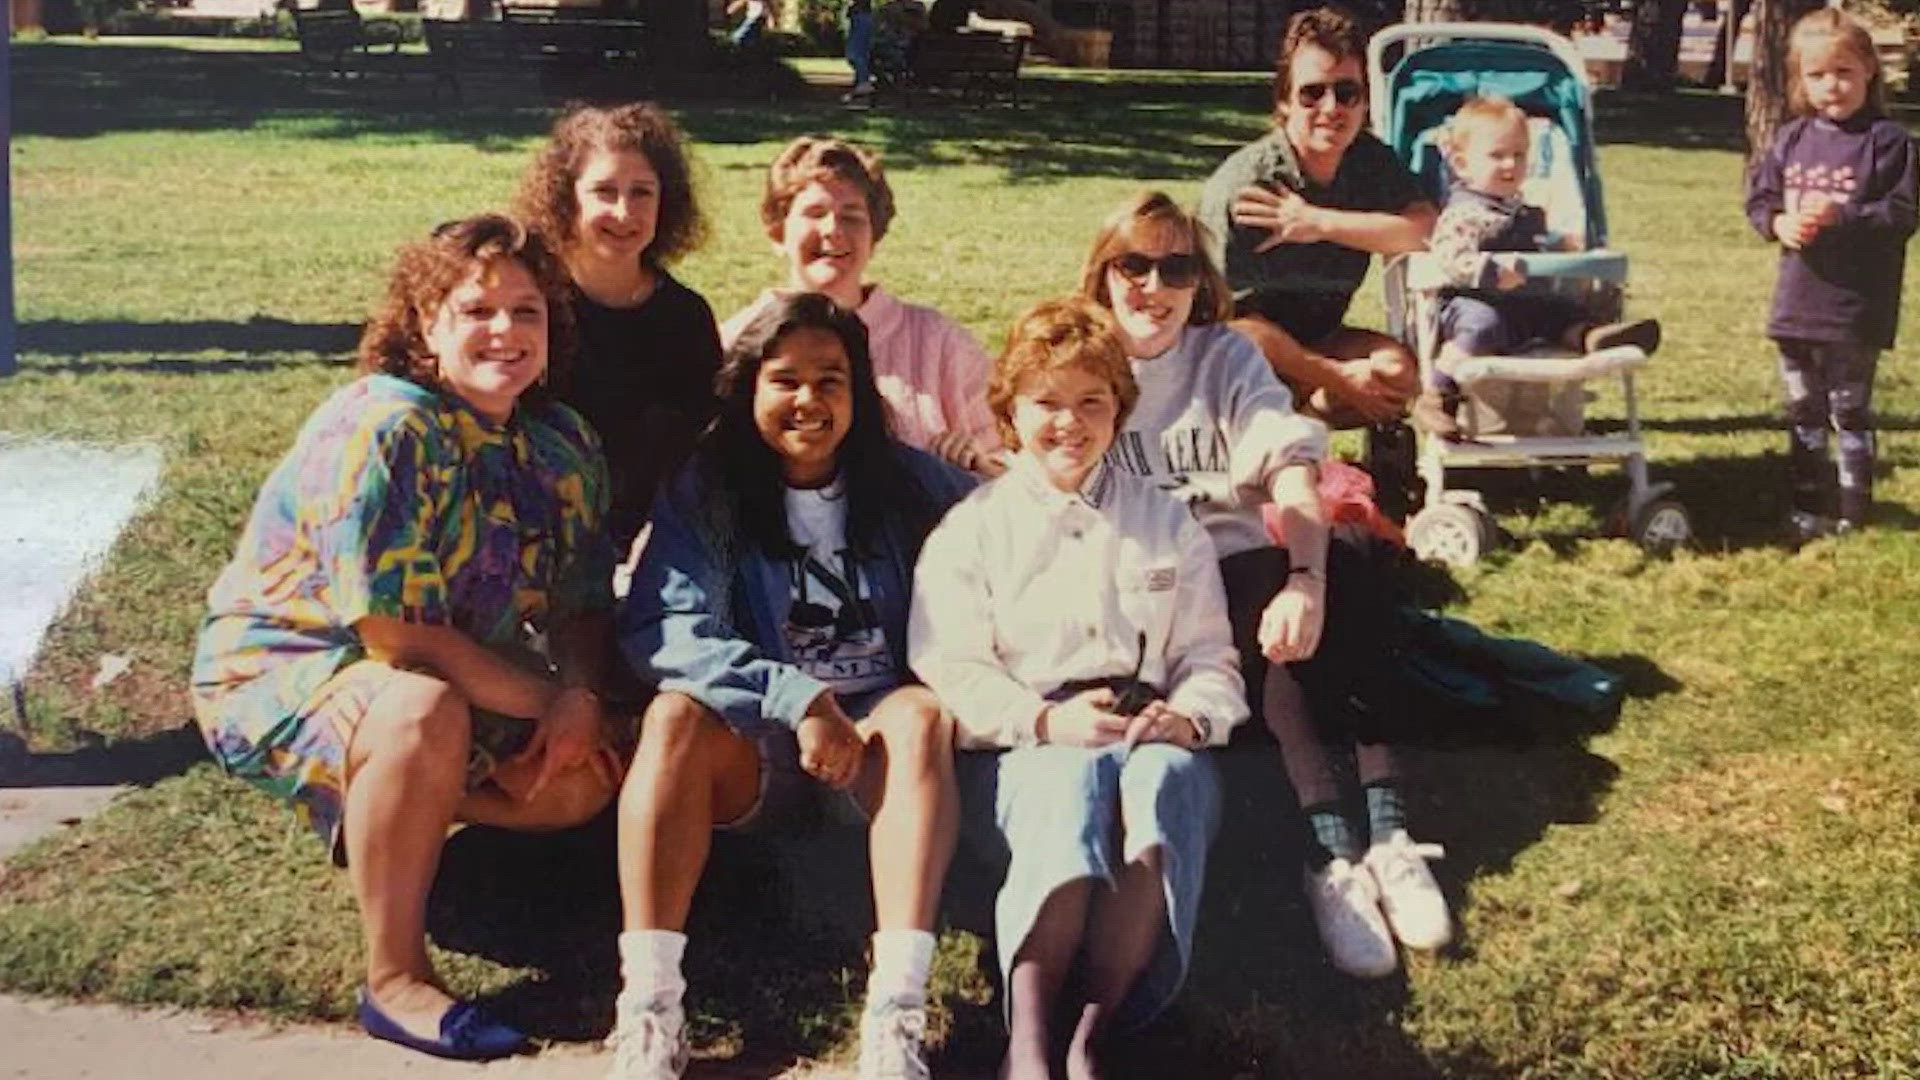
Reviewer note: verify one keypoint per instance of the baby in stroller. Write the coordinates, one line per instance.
(1476, 243)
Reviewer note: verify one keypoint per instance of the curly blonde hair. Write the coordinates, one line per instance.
(1146, 212)
(426, 271)
(825, 157)
(546, 199)
(1066, 332)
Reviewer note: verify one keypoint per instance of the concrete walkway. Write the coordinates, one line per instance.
(46, 1040)
(62, 504)
(28, 813)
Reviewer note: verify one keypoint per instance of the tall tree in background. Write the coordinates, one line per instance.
(1721, 64)
(1437, 11)
(1653, 45)
(1767, 82)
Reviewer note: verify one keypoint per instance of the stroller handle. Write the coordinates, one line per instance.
(1398, 33)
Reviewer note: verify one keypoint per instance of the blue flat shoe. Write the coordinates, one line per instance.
(467, 1033)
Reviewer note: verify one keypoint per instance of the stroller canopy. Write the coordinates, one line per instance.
(1429, 84)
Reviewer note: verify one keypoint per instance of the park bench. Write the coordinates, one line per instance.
(570, 55)
(339, 41)
(971, 62)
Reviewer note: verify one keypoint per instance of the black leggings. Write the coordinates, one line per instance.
(1315, 745)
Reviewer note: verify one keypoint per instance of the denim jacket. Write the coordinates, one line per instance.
(705, 614)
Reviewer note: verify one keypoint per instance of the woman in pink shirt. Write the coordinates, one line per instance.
(826, 208)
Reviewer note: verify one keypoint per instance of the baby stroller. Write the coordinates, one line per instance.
(1519, 411)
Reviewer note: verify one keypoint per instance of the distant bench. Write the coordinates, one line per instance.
(969, 61)
(573, 54)
(340, 41)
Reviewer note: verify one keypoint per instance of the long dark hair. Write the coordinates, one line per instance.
(747, 472)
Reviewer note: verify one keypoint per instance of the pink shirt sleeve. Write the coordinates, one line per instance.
(964, 367)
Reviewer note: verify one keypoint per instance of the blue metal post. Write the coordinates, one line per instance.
(8, 362)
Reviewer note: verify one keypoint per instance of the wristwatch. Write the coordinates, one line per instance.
(1202, 727)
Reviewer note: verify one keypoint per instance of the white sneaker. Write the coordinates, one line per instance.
(892, 1042)
(648, 1043)
(1408, 894)
(1346, 908)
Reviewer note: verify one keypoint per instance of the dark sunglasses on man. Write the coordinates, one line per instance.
(1346, 92)
(1180, 270)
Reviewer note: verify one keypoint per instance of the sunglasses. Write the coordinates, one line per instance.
(1180, 270)
(1346, 92)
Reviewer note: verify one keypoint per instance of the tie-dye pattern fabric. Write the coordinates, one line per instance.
(401, 502)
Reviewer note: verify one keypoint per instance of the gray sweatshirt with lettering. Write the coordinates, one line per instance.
(1212, 427)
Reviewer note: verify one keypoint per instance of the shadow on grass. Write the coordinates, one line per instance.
(1134, 128)
(97, 761)
(261, 334)
(766, 974)
(775, 964)
(1685, 119)
(1734, 425)
(175, 365)
(1736, 502)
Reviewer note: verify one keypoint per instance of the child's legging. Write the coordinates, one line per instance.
(1829, 387)
(1317, 760)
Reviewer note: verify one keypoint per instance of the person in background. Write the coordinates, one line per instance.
(860, 50)
(755, 17)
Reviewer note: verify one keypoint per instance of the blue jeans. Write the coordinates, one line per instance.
(860, 48)
(749, 31)
(1052, 815)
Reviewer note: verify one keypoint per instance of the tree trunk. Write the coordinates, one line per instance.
(1437, 11)
(1767, 81)
(1653, 45)
(1721, 65)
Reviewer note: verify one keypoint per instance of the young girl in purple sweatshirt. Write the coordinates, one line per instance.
(1836, 190)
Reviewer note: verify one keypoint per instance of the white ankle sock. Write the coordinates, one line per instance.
(650, 968)
(901, 959)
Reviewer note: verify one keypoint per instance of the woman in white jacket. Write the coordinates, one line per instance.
(1070, 617)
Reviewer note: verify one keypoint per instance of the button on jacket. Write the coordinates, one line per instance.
(1024, 588)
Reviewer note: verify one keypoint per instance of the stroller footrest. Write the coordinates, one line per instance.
(1550, 368)
(1495, 450)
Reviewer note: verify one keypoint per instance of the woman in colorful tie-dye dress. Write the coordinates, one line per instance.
(410, 630)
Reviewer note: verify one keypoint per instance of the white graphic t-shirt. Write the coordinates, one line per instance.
(832, 630)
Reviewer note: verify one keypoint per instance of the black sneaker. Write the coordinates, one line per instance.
(1855, 505)
(1642, 332)
(1391, 459)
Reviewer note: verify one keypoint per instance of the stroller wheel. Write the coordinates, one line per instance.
(1661, 526)
(1451, 533)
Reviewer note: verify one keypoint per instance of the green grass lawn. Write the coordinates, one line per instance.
(1725, 883)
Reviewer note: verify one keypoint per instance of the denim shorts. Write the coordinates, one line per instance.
(792, 801)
